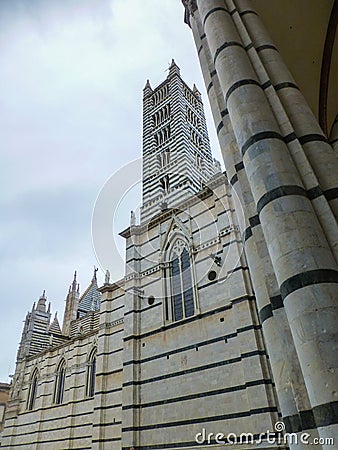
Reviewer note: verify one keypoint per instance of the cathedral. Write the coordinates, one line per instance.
(223, 329)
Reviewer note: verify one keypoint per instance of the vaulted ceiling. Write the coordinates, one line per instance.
(299, 29)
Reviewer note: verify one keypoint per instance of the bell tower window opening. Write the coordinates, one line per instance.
(164, 181)
(199, 160)
(162, 135)
(192, 118)
(190, 97)
(164, 158)
(160, 95)
(161, 115)
(196, 139)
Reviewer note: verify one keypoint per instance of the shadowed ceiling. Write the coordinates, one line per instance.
(299, 30)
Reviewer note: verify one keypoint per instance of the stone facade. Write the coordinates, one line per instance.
(4, 392)
(223, 322)
(175, 347)
(177, 158)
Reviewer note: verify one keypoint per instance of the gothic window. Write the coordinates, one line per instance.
(162, 135)
(33, 387)
(182, 295)
(160, 95)
(91, 373)
(192, 118)
(60, 383)
(164, 158)
(190, 97)
(199, 160)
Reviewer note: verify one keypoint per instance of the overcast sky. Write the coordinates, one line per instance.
(71, 80)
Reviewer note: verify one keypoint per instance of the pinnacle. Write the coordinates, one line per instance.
(147, 85)
(173, 68)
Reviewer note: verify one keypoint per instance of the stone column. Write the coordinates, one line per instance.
(301, 257)
(283, 358)
(131, 348)
(308, 146)
(334, 135)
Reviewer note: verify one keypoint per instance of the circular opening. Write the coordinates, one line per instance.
(151, 300)
(212, 275)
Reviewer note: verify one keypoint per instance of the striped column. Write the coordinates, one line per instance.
(131, 353)
(302, 260)
(283, 358)
(334, 135)
(315, 160)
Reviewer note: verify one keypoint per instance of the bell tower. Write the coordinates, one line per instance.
(177, 158)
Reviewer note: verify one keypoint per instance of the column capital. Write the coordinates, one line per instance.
(190, 7)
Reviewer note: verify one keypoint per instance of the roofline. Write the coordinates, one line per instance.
(110, 287)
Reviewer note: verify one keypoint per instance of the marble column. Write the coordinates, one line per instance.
(301, 257)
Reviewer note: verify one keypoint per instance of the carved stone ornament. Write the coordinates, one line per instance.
(190, 5)
(179, 246)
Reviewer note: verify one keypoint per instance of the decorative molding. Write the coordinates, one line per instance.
(112, 324)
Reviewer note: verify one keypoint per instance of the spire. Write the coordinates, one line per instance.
(147, 90)
(72, 302)
(147, 85)
(90, 299)
(74, 284)
(41, 306)
(196, 92)
(55, 326)
(173, 69)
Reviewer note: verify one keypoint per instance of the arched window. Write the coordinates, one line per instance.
(164, 158)
(60, 383)
(165, 184)
(182, 293)
(91, 372)
(33, 387)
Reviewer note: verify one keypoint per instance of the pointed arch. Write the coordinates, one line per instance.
(178, 274)
(91, 373)
(33, 387)
(181, 280)
(175, 230)
(60, 382)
